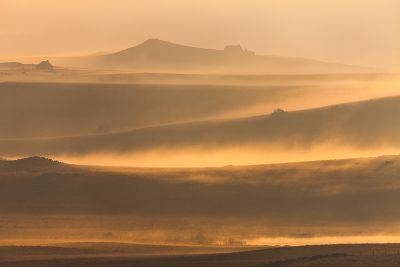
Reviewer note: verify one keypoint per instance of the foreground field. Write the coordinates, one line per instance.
(386, 255)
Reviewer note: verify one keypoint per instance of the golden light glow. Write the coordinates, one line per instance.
(341, 31)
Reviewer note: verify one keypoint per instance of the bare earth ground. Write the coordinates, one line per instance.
(330, 255)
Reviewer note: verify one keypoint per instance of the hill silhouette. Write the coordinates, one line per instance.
(156, 55)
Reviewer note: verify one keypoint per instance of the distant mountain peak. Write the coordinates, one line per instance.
(156, 55)
(157, 42)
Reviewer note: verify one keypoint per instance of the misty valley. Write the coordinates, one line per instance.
(121, 149)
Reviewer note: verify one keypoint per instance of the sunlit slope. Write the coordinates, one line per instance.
(160, 56)
(361, 125)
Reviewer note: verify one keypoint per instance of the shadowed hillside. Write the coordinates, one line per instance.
(203, 206)
(229, 191)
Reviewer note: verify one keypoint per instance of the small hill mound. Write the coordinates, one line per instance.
(31, 163)
(45, 66)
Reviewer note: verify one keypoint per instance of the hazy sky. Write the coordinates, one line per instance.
(364, 32)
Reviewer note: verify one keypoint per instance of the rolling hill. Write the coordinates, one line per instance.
(366, 124)
(59, 109)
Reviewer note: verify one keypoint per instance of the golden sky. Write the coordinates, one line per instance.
(363, 32)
